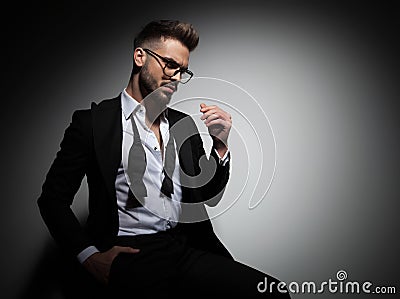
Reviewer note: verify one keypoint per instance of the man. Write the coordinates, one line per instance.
(141, 160)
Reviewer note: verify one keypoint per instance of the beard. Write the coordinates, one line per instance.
(152, 92)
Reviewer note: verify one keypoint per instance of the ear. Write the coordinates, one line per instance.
(139, 57)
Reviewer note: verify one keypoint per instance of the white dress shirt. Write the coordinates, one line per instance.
(158, 212)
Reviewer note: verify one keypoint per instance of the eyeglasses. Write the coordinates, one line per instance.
(171, 68)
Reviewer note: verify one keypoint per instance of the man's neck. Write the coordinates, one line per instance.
(153, 110)
(133, 91)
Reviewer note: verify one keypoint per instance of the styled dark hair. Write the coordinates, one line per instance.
(153, 33)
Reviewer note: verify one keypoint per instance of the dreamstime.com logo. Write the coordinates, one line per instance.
(341, 285)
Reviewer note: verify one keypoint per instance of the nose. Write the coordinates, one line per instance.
(176, 76)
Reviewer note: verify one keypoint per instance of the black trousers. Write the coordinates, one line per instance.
(166, 267)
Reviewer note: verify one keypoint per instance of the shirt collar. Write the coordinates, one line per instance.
(130, 105)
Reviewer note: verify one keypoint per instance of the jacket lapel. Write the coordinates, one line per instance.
(178, 126)
(107, 134)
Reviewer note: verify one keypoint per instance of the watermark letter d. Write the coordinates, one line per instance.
(260, 287)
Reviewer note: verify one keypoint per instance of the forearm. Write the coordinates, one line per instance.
(220, 146)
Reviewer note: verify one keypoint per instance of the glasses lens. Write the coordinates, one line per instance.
(169, 71)
(185, 77)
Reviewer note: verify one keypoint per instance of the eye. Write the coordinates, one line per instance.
(172, 65)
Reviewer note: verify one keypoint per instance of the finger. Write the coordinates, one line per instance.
(214, 108)
(211, 118)
(208, 114)
(120, 249)
(220, 113)
(106, 277)
(209, 110)
(205, 108)
(204, 116)
(217, 122)
(213, 111)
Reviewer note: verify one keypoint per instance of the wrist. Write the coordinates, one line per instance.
(86, 253)
(219, 144)
(220, 147)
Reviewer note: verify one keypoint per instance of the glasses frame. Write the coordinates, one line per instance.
(168, 61)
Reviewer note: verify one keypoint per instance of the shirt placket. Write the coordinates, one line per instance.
(151, 142)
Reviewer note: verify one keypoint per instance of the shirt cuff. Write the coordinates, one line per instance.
(225, 159)
(84, 254)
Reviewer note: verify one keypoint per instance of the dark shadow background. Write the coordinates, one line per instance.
(59, 56)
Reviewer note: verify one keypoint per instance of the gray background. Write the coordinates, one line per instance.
(326, 77)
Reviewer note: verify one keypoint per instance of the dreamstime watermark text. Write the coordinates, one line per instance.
(339, 285)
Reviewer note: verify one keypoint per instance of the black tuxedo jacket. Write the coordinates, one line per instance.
(92, 146)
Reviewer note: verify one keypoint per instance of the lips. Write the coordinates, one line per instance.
(170, 87)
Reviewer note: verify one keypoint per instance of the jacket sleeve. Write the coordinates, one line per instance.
(213, 190)
(62, 183)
